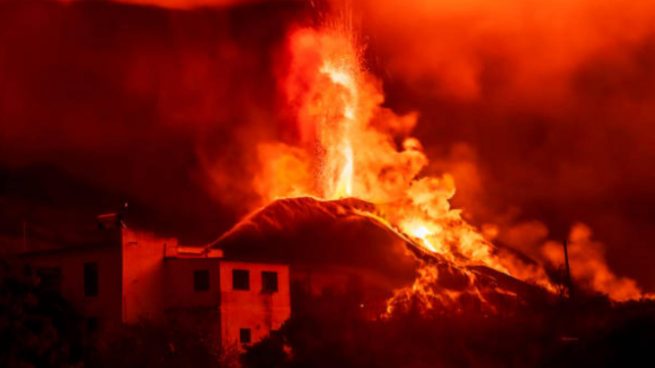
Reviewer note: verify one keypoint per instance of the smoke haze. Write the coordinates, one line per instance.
(541, 111)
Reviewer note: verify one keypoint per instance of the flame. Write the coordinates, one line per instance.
(344, 186)
(419, 231)
(340, 157)
(350, 139)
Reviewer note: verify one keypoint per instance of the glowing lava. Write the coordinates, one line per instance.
(339, 161)
(347, 147)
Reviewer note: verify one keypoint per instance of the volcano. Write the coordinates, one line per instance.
(344, 239)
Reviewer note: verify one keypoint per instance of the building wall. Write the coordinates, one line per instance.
(137, 281)
(105, 307)
(143, 276)
(179, 292)
(252, 309)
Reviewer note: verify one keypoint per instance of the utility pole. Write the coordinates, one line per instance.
(567, 269)
(24, 236)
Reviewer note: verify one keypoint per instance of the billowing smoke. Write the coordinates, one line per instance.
(589, 266)
(542, 112)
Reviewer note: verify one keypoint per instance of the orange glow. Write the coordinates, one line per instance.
(343, 158)
(182, 4)
(347, 148)
(419, 231)
(589, 268)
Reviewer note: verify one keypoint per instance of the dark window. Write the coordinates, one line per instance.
(240, 280)
(201, 280)
(90, 279)
(50, 278)
(269, 281)
(245, 336)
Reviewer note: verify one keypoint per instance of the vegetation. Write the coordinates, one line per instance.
(587, 333)
(40, 329)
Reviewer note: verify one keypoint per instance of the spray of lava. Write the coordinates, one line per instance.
(349, 145)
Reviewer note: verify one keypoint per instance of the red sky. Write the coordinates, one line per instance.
(542, 111)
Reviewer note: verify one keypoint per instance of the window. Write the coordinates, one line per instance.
(269, 281)
(90, 279)
(245, 336)
(240, 280)
(201, 280)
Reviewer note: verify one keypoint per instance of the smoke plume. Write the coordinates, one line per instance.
(542, 112)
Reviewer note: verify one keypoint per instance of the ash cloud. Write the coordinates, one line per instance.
(542, 111)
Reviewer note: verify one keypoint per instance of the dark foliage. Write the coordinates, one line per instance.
(331, 332)
(38, 328)
(148, 345)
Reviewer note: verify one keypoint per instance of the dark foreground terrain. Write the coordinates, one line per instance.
(39, 329)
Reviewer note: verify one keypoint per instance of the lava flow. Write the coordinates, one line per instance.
(348, 145)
